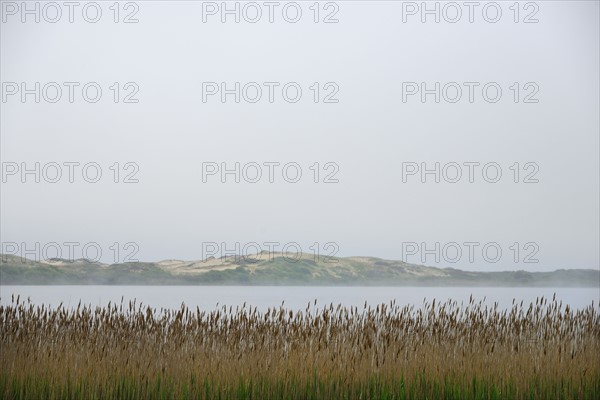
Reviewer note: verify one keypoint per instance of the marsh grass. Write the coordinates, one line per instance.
(445, 351)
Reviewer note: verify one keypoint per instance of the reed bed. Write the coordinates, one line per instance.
(438, 351)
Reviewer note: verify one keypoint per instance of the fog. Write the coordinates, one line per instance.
(398, 174)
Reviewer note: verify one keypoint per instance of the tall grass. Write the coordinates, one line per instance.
(444, 351)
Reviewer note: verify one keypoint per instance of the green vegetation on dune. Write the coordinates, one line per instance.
(236, 270)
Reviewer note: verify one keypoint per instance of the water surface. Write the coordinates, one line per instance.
(263, 297)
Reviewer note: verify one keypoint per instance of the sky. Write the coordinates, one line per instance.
(138, 149)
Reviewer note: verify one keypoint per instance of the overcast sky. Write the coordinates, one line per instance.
(372, 63)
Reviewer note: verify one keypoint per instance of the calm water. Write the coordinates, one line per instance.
(207, 297)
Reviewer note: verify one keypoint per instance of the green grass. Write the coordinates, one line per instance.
(159, 387)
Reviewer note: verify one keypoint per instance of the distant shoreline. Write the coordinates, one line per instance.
(278, 271)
